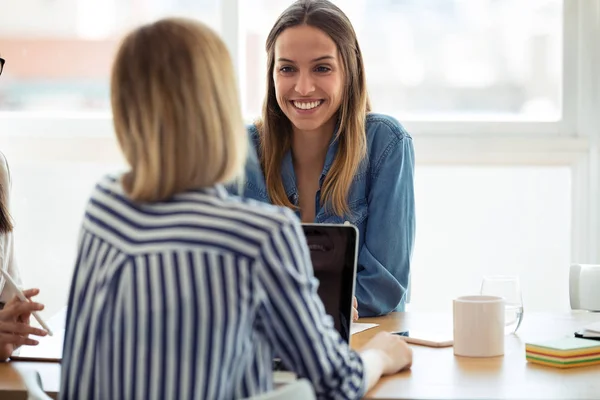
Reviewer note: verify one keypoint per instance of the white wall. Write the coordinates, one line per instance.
(477, 221)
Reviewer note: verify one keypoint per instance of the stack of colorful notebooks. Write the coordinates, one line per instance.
(564, 353)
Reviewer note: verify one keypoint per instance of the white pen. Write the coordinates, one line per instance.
(22, 297)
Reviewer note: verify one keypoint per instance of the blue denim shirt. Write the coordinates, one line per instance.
(382, 206)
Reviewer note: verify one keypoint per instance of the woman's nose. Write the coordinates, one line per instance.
(304, 84)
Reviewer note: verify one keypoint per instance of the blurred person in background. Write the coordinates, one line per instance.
(14, 314)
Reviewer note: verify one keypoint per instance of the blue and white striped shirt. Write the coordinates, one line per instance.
(190, 298)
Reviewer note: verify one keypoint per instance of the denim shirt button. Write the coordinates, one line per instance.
(293, 198)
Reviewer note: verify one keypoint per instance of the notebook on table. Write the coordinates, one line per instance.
(564, 353)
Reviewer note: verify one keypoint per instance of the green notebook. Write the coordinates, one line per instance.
(566, 347)
(564, 362)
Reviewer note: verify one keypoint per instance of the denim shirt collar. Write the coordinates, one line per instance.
(287, 167)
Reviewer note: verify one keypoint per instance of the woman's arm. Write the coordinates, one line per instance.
(303, 335)
(384, 259)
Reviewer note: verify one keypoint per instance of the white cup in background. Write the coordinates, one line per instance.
(479, 326)
(584, 281)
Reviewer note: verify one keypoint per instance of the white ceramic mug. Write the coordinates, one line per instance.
(479, 326)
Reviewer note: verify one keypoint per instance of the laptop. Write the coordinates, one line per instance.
(334, 255)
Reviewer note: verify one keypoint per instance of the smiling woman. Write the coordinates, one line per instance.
(322, 153)
(308, 90)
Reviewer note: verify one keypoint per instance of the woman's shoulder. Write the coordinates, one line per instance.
(385, 137)
(258, 213)
(382, 126)
(110, 183)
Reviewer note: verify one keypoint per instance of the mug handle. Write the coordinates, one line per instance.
(574, 274)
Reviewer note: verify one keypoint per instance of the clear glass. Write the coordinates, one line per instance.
(59, 53)
(509, 288)
(440, 59)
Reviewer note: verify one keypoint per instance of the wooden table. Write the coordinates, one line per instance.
(12, 386)
(436, 373)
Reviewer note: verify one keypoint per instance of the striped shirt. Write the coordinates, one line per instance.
(191, 298)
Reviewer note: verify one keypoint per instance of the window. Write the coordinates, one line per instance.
(473, 59)
(500, 96)
(59, 53)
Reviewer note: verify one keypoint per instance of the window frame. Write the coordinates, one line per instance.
(572, 141)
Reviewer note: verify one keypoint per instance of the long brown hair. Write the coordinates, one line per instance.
(5, 220)
(275, 128)
(176, 109)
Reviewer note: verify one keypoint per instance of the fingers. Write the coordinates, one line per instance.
(20, 328)
(31, 292)
(354, 314)
(16, 340)
(354, 302)
(406, 351)
(15, 309)
(24, 318)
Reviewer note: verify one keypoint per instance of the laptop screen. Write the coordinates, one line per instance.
(333, 251)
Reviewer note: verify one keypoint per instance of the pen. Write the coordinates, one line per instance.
(22, 297)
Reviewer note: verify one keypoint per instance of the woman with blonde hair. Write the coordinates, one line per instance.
(323, 154)
(181, 291)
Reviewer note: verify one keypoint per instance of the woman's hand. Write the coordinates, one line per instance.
(393, 350)
(354, 309)
(385, 354)
(14, 324)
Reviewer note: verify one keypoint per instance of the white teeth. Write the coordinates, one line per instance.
(307, 106)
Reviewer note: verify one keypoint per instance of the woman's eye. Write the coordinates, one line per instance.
(322, 68)
(286, 69)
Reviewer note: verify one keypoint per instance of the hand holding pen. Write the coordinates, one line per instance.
(14, 324)
(24, 298)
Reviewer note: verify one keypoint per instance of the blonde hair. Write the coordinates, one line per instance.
(275, 128)
(176, 110)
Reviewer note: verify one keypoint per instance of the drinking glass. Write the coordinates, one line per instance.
(509, 288)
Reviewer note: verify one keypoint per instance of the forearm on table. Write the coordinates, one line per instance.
(373, 367)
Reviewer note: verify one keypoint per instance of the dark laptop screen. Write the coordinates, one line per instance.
(333, 251)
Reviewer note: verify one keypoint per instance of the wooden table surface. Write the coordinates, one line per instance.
(436, 373)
